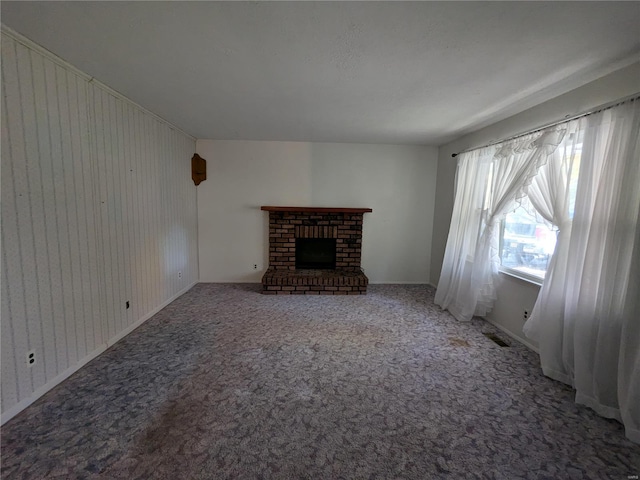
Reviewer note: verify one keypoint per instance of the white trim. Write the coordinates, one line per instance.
(525, 277)
(30, 44)
(18, 407)
(513, 335)
(39, 392)
(18, 37)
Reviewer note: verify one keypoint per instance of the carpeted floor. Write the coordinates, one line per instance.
(226, 383)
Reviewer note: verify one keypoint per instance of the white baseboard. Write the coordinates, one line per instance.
(39, 392)
(513, 336)
(119, 336)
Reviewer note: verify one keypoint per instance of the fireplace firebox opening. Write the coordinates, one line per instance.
(316, 253)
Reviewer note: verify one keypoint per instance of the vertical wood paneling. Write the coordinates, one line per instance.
(10, 394)
(98, 208)
(67, 227)
(14, 209)
(56, 235)
(78, 216)
(130, 153)
(151, 183)
(118, 205)
(9, 391)
(96, 145)
(43, 216)
(125, 188)
(143, 205)
(92, 205)
(32, 225)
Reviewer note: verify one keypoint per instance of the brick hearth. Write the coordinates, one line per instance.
(288, 223)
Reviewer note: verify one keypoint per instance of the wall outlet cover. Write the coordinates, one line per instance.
(31, 358)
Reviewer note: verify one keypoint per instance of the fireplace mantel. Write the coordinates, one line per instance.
(316, 209)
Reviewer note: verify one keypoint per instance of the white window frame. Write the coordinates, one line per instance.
(524, 276)
(516, 273)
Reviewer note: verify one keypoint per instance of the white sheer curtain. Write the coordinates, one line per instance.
(489, 181)
(455, 291)
(586, 319)
(550, 194)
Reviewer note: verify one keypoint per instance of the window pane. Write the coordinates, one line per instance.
(526, 242)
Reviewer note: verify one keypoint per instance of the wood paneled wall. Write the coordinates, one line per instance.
(98, 209)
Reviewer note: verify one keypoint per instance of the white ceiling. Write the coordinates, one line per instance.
(374, 72)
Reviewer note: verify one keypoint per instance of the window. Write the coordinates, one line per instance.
(526, 242)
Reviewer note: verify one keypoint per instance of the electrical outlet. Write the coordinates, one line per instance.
(526, 314)
(179, 274)
(31, 358)
(255, 266)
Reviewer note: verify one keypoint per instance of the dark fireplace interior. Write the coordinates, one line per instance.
(316, 253)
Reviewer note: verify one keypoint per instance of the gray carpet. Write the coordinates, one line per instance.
(227, 383)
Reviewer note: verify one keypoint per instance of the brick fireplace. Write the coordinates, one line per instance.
(337, 274)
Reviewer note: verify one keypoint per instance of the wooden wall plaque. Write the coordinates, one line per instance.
(198, 169)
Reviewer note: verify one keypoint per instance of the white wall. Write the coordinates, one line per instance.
(98, 208)
(397, 182)
(514, 296)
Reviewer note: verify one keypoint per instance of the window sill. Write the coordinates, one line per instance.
(525, 277)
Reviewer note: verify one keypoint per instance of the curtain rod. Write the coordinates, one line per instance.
(606, 106)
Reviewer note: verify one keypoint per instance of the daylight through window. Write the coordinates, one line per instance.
(527, 240)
